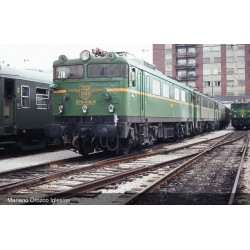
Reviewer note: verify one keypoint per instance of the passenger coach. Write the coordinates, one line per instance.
(24, 96)
(107, 101)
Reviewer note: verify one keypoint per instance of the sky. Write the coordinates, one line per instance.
(42, 56)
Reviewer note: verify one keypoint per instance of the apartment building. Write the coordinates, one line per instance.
(221, 71)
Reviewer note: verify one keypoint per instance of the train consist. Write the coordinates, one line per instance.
(240, 114)
(111, 102)
(24, 114)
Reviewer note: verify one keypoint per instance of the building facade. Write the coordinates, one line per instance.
(221, 71)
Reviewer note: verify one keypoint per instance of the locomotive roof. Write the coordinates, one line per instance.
(25, 74)
(134, 62)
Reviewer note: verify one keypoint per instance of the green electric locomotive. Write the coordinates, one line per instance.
(108, 101)
(240, 114)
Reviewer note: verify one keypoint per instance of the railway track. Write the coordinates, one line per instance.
(191, 183)
(71, 182)
(14, 179)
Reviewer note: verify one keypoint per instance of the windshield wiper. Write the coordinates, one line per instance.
(69, 77)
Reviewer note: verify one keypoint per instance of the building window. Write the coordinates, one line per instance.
(176, 94)
(191, 61)
(240, 46)
(206, 72)
(217, 83)
(191, 84)
(217, 59)
(206, 48)
(217, 71)
(181, 61)
(206, 83)
(241, 71)
(241, 93)
(230, 83)
(216, 48)
(181, 50)
(183, 96)
(241, 58)
(42, 97)
(182, 73)
(230, 93)
(241, 82)
(217, 93)
(192, 73)
(230, 59)
(230, 71)
(191, 50)
(206, 60)
(25, 96)
(165, 90)
(156, 87)
(230, 47)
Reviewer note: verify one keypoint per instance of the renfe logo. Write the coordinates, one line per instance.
(85, 93)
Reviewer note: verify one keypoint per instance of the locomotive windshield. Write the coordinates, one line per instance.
(107, 70)
(240, 105)
(68, 72)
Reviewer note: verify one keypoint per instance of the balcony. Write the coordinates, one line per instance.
(186, 55)
(187, 78)
(186, 66)
(185, 45)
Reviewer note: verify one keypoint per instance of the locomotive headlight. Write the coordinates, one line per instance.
(62, 58)
(84, 109)
(61, 108)
(85, 55)
(111, 108)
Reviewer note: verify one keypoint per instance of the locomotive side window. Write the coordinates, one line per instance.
(156, 87)
(198, 100)
(132, 78)
(147, 84)
(183, 96)
(25, 96)
(176, 94)
(42, 97)
(138, 76)
(165, 90)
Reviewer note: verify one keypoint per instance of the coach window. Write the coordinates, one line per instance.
(42, 97)
(25, 96)
(132, 78)
(176, 94)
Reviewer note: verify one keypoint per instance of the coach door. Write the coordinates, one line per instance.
(9, 86)
(141, 84)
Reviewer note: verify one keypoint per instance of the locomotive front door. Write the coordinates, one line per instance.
(9, 102)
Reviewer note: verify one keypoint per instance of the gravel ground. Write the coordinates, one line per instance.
(208, 181)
